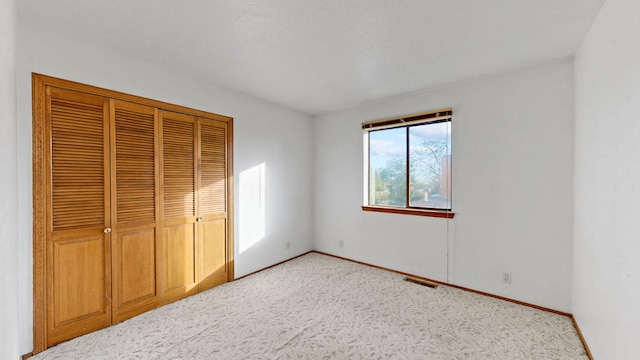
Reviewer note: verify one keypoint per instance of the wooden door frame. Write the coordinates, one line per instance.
(40, 201)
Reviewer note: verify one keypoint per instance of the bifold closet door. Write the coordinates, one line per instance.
(212, 202)
(132, 206)
(178, 206)
(134, 198)
(78, 259)
(194, 204)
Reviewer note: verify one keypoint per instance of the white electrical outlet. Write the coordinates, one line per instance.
(506, 277)
(341, 243)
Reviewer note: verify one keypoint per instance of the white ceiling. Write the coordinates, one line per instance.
(318, 56)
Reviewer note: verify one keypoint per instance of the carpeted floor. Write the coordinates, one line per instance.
(320, 307)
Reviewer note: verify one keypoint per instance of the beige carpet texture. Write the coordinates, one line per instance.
(320, 307)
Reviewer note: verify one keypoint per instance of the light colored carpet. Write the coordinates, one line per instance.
(320, 307)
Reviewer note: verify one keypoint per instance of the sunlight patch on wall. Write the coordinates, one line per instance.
(252, 206)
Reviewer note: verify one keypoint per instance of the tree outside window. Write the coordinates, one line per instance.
(410, 166)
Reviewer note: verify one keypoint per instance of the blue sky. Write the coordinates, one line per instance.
(384, 144)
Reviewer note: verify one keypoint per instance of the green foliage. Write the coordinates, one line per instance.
(393, 177)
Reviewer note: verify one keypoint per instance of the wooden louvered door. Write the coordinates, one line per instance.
(78, 260)
(194, 204)
(132, 206)
(211, 197)
(178, 206)
(134, 198)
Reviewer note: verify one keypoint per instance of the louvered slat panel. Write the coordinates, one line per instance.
(213, 189)
(77, 164)
(178, 168)
(135, 166)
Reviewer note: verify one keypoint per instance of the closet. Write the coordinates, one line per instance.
(132, 206)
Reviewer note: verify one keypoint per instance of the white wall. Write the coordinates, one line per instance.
(263, 133)
(512, 188)
(8, 185)
(606, 286)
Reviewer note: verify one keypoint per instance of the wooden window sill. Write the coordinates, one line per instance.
(419, 212)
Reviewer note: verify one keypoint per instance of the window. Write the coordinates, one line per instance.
(408, 164)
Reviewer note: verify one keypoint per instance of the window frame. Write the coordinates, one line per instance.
(404, 122)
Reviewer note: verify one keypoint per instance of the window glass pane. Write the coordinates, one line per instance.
(430, 165)
(388, 167)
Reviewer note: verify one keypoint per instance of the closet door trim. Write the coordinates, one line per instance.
(40, 201)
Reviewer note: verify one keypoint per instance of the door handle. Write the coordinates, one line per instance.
(198, 219)
(107, 230)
